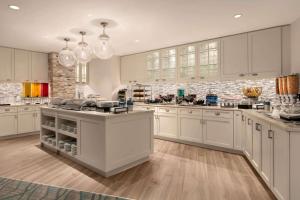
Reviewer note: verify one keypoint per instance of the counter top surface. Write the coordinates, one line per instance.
(17, 105)
(97, 114)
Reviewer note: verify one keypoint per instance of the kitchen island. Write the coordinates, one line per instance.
(106, 143)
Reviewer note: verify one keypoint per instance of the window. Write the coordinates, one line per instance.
(187, 61)
(153, 66)
(208, 59)
(81, 73)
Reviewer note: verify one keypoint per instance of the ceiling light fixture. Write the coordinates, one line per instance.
(66, 56)
(237, 16)
(103, 49)
(83, 52)
(136, 41)
(14, 7)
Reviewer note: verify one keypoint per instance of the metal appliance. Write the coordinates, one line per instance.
(105, 106)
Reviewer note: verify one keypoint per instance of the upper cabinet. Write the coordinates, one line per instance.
(6, 64)
(209, 60)
(265, 52)
(133, 68)
(39, 67)
(187, 62)
(168, 69)
(234, 56)
(22, 65)
(153, 66)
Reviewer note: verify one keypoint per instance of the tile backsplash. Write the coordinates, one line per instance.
(10, 92)
(224, 89)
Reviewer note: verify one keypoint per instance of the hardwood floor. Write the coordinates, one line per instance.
(175, 171)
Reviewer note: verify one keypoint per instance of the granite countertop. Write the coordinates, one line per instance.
(95, 113)
(188, 106)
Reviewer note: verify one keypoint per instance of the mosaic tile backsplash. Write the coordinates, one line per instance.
(224, 89)
(10, 92)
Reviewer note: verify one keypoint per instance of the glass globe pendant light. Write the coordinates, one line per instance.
(103, 49)
(66, 57)
(83, 52)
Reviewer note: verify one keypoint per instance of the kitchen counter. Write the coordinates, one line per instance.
(106, 143)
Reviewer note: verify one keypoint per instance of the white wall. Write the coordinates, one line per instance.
(104, 76)
(295, 46)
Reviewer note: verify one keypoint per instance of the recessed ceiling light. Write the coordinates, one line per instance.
(238, 16)
(89, 15)
(136, 41)
(14, 7)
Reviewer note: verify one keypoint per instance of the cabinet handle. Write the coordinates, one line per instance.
(243, 118)
(156, 80)
(249, 122)
(254, 74)
(270, 134)
(258, 126)
(202, 77)
(217, 113)
(167, 110)
(241, 75)
(7, 110)
(148, 108)
(190, 111)
(192, 78)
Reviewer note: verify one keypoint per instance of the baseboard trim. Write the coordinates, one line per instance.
(8, 137)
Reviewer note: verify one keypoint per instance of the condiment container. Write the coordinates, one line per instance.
(293, 84)
(284, 85)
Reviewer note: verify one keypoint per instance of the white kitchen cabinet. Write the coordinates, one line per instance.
(248, 138)
(295, 165)
(265, 50)
(187, 63)
(190, 125)
(37, 121)
(168, 65)
(133, 68)
(6, 64)
(22, 65)
(238, 131)
(39, 66)
(281, 182)
(267, 154)
(218, 131)
(256, 145)
(26, 122)
(234, 56)
(8, 124)
(167, 125)
(208, 66)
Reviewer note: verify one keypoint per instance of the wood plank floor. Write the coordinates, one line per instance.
(175, 171)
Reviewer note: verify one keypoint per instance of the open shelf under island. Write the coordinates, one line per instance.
(103, 142)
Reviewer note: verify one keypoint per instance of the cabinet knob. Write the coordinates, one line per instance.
(192, 78)
(156, 80)
(190, 111)
(254, 74)
(241, 75)
(167, 110)
(202, 77)
(217, 113)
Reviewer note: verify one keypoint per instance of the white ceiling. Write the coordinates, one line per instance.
(155, 23)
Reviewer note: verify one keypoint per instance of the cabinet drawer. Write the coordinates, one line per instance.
(144, 108)
(193, 112)
(8, 109)
(167, 110)
(218, 113)
(26, 108)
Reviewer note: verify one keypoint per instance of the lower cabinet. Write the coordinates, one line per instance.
(167, 125)
(218, 131)
(248, 138)
(26, 122)
(37, 121)
(281, 181)
(295, 165)
(190, 128)
(256, 145)
(8, 124)
(238, 122)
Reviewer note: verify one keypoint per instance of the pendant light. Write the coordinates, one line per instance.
(83, 52)
(66, 57)
(103, 49)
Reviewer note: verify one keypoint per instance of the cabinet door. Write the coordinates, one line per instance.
(295, 165)
(155, 123)
(167, 125)
(265, 52)
(153, 66)
(248, 138)
(26, 122)
(22, 65)
(39, 66)
(243, 132)
(168, 67)
(8, 124)
(187, 63)
(281, 164)
(238, 130)
(218, 132)
(267, 155)
(133, 68)
(190, 128)
(6, 64)
(234, 56)
(37, 122)
(256, 145)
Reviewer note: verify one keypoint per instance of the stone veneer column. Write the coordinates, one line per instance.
(61, 79)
